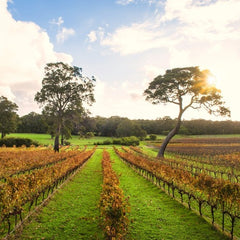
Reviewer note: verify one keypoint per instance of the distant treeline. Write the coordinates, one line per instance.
(121, 127)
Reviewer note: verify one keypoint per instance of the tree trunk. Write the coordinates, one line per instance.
(56, 143)
(171, 134)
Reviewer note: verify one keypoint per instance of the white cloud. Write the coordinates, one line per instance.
(194, 33)
(99, 34)
(183, 20)
(64, 34)
(24, 51)
(138, 37)
(92, 36)
(58, 22)
(124, 100)
(217, 20)
(124, 2)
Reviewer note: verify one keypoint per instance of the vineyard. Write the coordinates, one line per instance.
(29, 174)
(205, 170)
(203, 182)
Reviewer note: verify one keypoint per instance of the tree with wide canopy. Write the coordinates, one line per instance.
(64, 90)
(187, 88)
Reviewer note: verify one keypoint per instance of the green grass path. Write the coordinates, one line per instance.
(155, 215)
(72, 213)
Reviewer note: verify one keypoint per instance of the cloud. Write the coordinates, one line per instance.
(183, 20)
(205, 21)
(95, 35)
(64, 34)
(138, 37)
(58, 22)
(121, 100)
(24, 51)
(124, 2)
(92, 36)
(127, 2)
(193, 33)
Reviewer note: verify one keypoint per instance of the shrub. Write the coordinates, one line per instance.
(66, 143)
(117, 141)
(107, 142)
(152, 137)
(126, 141)
(18, 142)
(130, 141)
(89, 135)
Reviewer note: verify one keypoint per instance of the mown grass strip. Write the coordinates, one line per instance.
(73, 212)
(155, 215)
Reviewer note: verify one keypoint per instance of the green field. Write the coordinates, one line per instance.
(47, 140)
(76, 140)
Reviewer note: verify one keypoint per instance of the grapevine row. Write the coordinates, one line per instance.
(217, 193)
(113, 206)
(16, 162)
(27, 188)
(194, 167)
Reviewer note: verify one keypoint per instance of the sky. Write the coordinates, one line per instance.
(124, 44)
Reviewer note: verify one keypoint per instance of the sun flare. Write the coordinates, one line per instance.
(212, 80)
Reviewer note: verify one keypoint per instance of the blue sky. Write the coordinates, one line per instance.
(124, 44)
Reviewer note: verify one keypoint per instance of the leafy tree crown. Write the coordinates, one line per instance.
(64, 88)
(188, 88)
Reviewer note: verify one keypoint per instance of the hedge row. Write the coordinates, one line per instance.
(18, 142)
(124, 141)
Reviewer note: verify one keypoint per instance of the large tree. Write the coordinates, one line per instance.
(64, 90)
(8, 116)
(187, 88)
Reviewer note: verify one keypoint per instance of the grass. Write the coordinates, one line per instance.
(72, 213)
(47, 140)
(206, 210)
(155, 215)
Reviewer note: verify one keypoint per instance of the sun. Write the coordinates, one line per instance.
(212, 80)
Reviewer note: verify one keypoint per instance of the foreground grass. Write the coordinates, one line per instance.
(73, 212)
(155, 215)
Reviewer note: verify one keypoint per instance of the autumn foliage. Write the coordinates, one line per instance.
(113, 206)
(204, 189)
(18, 190)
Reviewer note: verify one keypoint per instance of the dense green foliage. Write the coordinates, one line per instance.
(126, 141)
(127, 128)
(33, 123)
(18, 142)
(64, 90)
(8, 116)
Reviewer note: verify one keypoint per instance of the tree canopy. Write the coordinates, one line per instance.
(8, 116)
(187, 88)
(64, 90)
